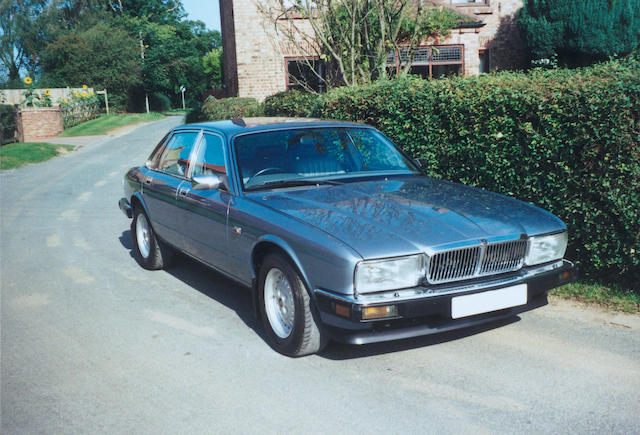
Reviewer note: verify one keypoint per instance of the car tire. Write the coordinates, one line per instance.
(151, 253)
(288, 314)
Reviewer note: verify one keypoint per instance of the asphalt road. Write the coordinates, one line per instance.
(92, 343)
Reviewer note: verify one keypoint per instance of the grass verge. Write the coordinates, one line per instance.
(612, 298)
(19, 154)
(104, 123)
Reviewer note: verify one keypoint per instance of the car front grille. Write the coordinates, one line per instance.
(475, 261)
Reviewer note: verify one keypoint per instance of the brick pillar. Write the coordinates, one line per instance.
(36, 123)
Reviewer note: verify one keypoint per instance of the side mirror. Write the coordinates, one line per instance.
(148, 164)
(208, 182)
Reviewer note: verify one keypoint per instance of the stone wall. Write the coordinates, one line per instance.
(36, 123)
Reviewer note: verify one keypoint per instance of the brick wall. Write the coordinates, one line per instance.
(36, 123)
(499, 35)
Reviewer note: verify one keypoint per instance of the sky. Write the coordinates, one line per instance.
(204, 10)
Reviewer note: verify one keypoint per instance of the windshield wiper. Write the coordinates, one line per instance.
(287, 183)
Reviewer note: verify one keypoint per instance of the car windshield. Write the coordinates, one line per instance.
(301, 156)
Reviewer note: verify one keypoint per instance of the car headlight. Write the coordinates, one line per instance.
(389, 274)
(543, 249)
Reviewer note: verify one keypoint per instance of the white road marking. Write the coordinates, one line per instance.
(79, 242)
(78, 275)
(178, 323)
(69, 215)
(100, 183)
(53, 241)
(30, 301)
(85, 196)
(113, 174)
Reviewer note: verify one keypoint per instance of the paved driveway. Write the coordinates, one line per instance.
(92, 343)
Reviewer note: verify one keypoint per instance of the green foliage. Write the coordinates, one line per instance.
(611, 297)
(173, 57)
(230, 108)
(565, 140)
(7, 123)
(212, 64)
(105, 123)
(103, 56)
(291, 103)
(158, 102)
(21, 153)
(580, 32)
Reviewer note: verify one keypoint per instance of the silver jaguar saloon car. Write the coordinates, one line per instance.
(337, 233)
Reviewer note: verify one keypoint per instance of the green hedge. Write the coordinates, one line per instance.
(291, 103)
(7, 123)
(565, 140)
(230, 108)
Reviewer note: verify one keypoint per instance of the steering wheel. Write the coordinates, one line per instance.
(262, 172)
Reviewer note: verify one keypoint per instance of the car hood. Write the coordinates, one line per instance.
(406, 215)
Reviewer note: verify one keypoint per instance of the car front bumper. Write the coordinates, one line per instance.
(427, 310)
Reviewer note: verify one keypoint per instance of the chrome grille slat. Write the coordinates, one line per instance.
(474, 261)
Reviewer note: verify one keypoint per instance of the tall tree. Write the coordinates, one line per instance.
(580, 32)
(102, 56)
(17, 41)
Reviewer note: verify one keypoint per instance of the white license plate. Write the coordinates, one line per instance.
(463, 306)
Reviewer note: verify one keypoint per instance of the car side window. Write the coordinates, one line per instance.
(210, 158)
(175, 156)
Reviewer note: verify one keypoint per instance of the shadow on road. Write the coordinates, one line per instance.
(237, 298)
(217, 287)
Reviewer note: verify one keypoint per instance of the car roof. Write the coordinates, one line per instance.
(233, 127)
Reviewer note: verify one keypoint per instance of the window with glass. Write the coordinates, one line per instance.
(305, 74)
(175, 156)
(298, 156)
(430, 61)
(210, 158)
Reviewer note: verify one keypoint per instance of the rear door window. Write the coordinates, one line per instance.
(175, 156)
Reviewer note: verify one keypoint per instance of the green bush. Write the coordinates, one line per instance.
(230, 108)
(7, 123)
(565, 140)
(290, 103)
(195, 115)
(158, 102)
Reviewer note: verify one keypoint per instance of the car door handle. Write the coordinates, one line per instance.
(147, 180)
(183, 192)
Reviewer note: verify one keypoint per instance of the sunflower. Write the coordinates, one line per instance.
(64, 100)
(77, 94)
(90, 92)
(84, 86)
(47, 92)
(27, 80)
(84, 95)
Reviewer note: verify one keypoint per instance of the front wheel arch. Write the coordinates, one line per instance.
(273, 245)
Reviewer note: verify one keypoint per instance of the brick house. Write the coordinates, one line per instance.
(257, 63)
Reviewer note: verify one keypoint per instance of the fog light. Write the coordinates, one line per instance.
(379, 312)
(343, 310)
